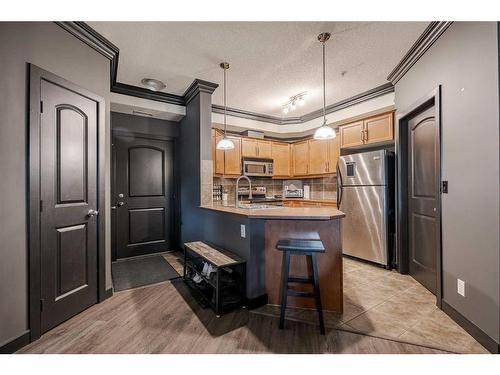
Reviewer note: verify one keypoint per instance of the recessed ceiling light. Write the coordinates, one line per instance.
(153, 84)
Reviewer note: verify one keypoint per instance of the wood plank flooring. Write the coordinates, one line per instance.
(164, 318)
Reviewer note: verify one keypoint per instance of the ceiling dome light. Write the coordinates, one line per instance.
(225, 143)
(153, 84)
(324, 131)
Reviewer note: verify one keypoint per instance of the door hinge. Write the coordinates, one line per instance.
(41, 205)
(41, 106)
(41, 305)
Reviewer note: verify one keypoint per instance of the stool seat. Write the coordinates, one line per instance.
(307, 246)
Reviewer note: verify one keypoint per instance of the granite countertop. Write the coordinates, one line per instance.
(288, 213)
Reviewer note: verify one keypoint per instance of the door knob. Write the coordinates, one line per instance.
(92, 213)
(119, 204)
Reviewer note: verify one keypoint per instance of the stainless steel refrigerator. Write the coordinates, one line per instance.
(365, 187)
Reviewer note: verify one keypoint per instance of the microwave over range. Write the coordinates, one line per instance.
(257, 167)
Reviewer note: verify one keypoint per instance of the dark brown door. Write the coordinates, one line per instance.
(423, 193)
(143, 196)
(68, 192)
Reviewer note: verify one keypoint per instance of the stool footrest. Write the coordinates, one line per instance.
(298, 279)
(299, 293)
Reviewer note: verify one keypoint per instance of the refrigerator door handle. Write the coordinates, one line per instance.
(339, 187)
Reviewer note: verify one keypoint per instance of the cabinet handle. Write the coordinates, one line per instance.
(366, 135)
(362, 136)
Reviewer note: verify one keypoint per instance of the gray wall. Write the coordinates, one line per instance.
(49, 47)
(144, 125)
(465, 62)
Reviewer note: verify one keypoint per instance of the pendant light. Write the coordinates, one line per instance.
(324, 131)
(225, 143)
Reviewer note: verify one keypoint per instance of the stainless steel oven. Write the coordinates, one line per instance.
(257, 167)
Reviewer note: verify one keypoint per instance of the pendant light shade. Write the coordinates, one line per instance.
(225, 143)
(324, 131)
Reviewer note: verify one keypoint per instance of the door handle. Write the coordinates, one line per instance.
(92, 213)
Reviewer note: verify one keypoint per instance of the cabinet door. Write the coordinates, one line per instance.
(351, 134)
(318, 156)
(232, 165)
(249, 147)
(300, 158)
(264, 149)
(333, 154)
(218, 155)
(280, 153)
(379, 129)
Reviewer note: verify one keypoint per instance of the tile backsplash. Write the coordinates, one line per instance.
(321, 188)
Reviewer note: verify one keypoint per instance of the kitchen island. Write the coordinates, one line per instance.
(256, 237)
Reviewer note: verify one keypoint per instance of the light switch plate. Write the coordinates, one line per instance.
(461, 287)
(243, 231)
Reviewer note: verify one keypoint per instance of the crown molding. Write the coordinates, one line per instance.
(198, 86)
(353, 100)
(140, 92)
(423, 43)
(99, 43)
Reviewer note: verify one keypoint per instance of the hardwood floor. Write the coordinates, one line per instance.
(164, 318)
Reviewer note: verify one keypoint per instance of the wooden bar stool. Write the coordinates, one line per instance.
(309, 248)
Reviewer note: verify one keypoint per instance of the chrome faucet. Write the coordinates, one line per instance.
(237, 202)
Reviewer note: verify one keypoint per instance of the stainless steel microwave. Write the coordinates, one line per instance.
(257, 167)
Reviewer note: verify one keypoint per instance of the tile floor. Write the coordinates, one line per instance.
(389, 305)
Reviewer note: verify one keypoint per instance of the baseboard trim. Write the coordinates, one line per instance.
(16, 343)
(108, 294)
(473, 330)
(253, 303)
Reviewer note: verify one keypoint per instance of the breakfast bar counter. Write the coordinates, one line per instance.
(257, 243)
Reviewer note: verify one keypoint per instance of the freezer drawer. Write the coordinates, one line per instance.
(364, 226)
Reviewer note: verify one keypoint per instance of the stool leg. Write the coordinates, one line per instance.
(317, 294)
(285, 267)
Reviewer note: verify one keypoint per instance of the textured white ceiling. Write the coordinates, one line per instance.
(270, 61)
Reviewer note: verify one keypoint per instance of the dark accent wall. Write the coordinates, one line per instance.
(50, 47)
(123, 122)
(464, 61)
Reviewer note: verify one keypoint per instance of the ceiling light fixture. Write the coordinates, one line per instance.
(153, 84)
(225, 143)
(324, 131)
(291, 104)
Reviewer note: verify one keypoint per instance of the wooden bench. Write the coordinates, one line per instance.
(229, 275)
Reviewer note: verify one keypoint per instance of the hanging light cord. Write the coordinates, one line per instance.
(324, 85)
(224, 102)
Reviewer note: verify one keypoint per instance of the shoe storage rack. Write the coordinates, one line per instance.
(217, 275)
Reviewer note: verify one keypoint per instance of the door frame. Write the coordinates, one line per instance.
(155, 137)
(35, 75)
(432, 98)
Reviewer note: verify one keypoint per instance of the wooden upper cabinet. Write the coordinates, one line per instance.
(217, 155)
(351, 134)
(249, 147)
(318, 156)
(333, 154)
(300, 158)
(255, 148)
(379, 129)
(232, 158)
(280, 153)
(264, 149)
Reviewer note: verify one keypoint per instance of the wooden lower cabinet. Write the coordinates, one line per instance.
(309, 203)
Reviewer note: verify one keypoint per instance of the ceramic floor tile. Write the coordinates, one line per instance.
(439, 330)
(379, 323)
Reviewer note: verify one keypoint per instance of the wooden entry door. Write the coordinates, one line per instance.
(143, 196)
(423, 191)
(68, 201)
